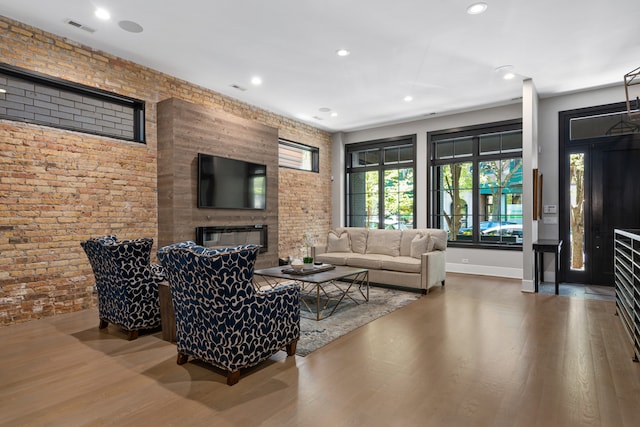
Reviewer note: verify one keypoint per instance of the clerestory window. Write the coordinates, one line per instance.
(294, 155)
(31, 97)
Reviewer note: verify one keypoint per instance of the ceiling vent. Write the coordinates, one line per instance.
(240, 88)
(79, 25)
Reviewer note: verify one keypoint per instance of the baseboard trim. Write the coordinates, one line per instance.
(511, 273)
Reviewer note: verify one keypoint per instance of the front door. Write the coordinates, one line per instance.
(616, 200)
(600, 192)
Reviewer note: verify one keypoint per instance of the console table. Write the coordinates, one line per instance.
(539, 248)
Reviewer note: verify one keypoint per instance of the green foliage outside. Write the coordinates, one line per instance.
(398, 198)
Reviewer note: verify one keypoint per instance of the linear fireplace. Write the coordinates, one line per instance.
(233, 235)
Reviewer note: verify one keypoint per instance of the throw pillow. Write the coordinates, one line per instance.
(439, 238)
(358, 239)
(405, 241)
(338, 242)
(421, 243)
(109, 239)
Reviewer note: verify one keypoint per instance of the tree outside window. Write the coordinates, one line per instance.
(577, 210)
(456, 196)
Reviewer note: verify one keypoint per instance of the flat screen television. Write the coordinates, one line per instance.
(225, 183)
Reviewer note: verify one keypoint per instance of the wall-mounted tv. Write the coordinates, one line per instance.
(225, 183)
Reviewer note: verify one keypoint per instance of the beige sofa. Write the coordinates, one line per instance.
(405, 258)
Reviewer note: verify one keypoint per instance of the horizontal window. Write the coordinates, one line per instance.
(298, 156)
(601, 125)
(39, 99)
(453, 148)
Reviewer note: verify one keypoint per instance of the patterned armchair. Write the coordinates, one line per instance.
(126, 282)
(220, 317)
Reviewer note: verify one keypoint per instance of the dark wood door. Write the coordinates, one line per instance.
(599, 191)
(615, 202)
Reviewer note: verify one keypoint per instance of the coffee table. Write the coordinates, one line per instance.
(321, 291)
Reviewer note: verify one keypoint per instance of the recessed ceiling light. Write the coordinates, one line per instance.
(506, 71)
(102, 14)
(334, 114)
(477, 8)
(342, 52)
(256, 81)
(408, 98)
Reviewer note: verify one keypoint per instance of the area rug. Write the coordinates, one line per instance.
(349, 316)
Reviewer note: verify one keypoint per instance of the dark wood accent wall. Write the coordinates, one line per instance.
(186, 129)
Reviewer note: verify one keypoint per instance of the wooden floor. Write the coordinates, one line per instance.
(476, 353)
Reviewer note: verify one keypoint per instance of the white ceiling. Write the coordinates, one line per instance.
(429, 49)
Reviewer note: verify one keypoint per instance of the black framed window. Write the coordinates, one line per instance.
(380, 183)
(26, 96)
(476, 184)
(294, 155)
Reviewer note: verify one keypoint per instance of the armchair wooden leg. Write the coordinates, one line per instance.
(291, 348)
(233, 377)
(182, 358)
(132, 335)
(103, 324)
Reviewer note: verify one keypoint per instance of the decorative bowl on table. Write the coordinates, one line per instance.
(297, 265)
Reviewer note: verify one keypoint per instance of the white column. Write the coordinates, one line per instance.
(338, 178)
(529, 163)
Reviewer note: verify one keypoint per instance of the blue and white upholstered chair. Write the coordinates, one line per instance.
(126, 282)
(220, 317)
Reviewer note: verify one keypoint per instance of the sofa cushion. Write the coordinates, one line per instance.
(384, 242)
(371, 261)
(421, 243)
(335, 258)
(402, 263)
(338, 242)
(357, 238)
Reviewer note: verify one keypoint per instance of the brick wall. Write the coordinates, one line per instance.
(59, 187)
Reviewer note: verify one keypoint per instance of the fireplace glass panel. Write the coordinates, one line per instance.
(224, 237)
